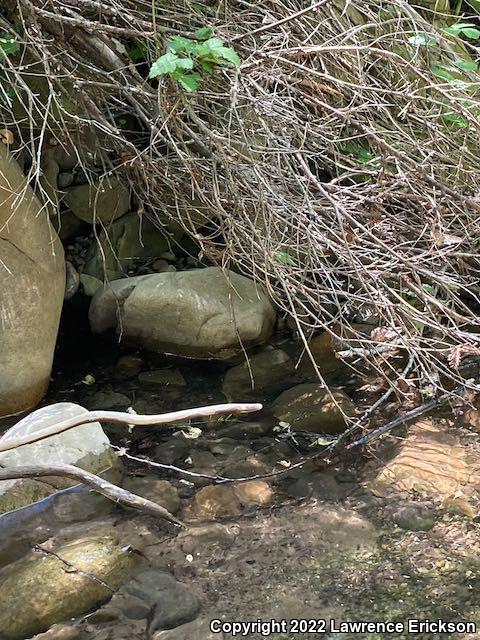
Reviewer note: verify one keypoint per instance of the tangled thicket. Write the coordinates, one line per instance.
(338, 165)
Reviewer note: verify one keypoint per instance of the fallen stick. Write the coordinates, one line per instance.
(130, 418)
(107, 489)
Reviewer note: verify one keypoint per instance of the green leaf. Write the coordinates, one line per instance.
(8, 45)
(184, 63)
(472, 34)
(466, 65)
(442, 72)
(466, 29)
(204, 33)
(207, 65)
(230, 55)
(189, 81)
(458, 121)
(165, 64)
(179, 44)
(284, 258)
(138, 52)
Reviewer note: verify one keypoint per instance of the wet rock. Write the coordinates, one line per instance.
(172, 604)
(264, 371)
(254, 492)
(65, 179)
(80, 506)
(128, 367)
(123, 242)
(108, 401)
(222, 446)
(217, 501)
(90, 284)
(100, 202)
(202, 540)
(251, 429)
(162, 266)
(308, 407)
(59, 632)
(39, 593)
(32, 285)
(430, 461)
(171, 377)
(175, 448)
(85, 446)
(161, 492)
(72, 280)
(322, 348)
(414, 518)
(198, 629)
(252, 466)
(66, 224)
(315, 485)
(203, 461)
(203, 313)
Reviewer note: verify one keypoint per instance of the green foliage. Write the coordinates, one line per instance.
(466, 29)
(138, 51)
(285, 258)
(183, 55)
(8, 45)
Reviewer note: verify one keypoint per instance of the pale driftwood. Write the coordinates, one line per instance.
(131, 418)
(107, 489)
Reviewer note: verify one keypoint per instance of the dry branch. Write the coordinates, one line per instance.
(338, 167)
(131, 418)
(107, 489)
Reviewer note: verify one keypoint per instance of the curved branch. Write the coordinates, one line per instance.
(107, 489)
(130, 418)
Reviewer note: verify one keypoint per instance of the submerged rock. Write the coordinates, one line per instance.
(32, 286)
(40, 592)
(309, 407)
(198, 313)
(85, 446)
(263, 371)
(161, 492)
(166, 377)
(172, 603)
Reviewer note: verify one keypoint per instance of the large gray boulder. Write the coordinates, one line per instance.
(85, 446)
(32, 286)
(201, 313)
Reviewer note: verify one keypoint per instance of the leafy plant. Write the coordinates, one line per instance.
(184, 55)
(138, 51)
(8, 45)
(466, 29)
(284, 258)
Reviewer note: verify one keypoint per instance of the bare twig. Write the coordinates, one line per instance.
(107, 489)
(130, 418)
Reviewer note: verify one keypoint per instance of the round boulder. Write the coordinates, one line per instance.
(310, 407)
(40, 592)
(200, 313)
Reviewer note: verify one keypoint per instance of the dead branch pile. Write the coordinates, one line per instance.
(338, 165)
